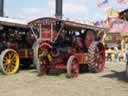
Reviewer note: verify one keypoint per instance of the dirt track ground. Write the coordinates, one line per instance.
(111, 82)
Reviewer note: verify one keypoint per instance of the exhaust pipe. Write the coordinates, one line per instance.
(1, 8)
(59, 9)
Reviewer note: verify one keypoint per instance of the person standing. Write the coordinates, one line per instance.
(116, 54)
(109, 54)
(126, 55)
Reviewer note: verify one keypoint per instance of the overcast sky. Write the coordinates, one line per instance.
(73, 9)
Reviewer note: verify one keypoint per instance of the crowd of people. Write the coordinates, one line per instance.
(117, 55)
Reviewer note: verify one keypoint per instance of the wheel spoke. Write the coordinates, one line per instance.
(9, 55)
(12, 67)
(75, 72)
(74, 68)
(13, 56)
(5, 62)
(5, 66)
(13, 62)
(8, 68)
(6, 58)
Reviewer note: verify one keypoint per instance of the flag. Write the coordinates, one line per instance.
(103, 4)
(122, 1)
(113, 12)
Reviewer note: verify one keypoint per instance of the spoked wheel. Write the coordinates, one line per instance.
(96, 57)
(41, 60)
(9, 62)
(72, 67)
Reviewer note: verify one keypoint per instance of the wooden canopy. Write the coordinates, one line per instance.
(69, 24)
(12, 22)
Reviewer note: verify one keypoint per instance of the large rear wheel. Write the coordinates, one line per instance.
(41, 59)
(9, 63)
(96, 57)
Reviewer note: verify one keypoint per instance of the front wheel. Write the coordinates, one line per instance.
(9, 62)
(72, 67)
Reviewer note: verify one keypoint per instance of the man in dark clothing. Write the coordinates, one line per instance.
(126, 54)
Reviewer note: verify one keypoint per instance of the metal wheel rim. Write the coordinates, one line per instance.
(72, 67)
(9, 62)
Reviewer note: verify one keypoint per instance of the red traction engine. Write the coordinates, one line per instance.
(16, 41)
(67, 45)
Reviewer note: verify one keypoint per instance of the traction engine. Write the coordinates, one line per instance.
(70, 47)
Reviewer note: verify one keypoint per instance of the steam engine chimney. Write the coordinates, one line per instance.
(59, 9)
(1, 8)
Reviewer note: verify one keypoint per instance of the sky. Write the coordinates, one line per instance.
(76, 10)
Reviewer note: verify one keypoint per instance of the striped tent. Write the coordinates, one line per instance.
(119, 26)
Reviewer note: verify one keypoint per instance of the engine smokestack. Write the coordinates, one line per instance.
(1, 8)
(59, 9)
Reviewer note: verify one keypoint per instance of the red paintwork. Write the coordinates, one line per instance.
(25, 53)
(46, 35)
(71, 24)
(13, 45)
(82, 58)
(22, 53)
(60, 66)
(50, 34)
(58, 60)
(45, 45)
(30, 53)
(75, 68)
